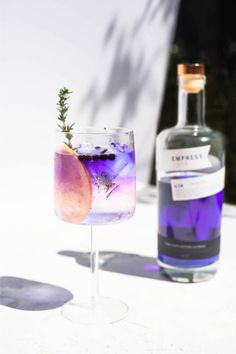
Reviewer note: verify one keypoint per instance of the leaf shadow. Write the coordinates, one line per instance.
(129, 76)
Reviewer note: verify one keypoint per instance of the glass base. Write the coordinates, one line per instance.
(188, 275)
(95, 310)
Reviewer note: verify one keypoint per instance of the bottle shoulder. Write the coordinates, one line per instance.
(189, 136)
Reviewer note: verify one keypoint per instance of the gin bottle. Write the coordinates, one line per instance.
(190, 159)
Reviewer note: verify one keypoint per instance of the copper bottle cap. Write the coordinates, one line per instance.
(195, 69)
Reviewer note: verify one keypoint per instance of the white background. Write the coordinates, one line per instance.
(113, 55)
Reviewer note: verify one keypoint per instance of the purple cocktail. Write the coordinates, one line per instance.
(100, 183)
(94, 183)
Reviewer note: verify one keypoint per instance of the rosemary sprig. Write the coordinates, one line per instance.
(63, 107)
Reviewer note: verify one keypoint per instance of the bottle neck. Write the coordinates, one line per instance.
(191, 104)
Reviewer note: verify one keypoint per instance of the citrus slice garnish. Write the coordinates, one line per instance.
(73, 190)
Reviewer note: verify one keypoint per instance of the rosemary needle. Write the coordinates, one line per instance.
(62, 107)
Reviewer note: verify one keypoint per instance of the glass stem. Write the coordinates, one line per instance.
(94, 264)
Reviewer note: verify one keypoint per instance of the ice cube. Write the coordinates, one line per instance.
(118, 146)
(123, 164)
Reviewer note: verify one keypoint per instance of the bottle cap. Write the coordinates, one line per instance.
(196, 69)
(192, 77)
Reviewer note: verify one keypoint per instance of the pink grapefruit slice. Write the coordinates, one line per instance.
(73, 190)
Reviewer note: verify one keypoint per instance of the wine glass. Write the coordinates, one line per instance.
(94, 183)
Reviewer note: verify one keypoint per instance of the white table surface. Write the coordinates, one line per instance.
(44, 260)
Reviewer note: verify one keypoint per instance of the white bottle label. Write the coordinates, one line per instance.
(195, 158)
(197, 187)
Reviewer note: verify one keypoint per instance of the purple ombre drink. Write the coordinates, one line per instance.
(112, 174)
(105, 174)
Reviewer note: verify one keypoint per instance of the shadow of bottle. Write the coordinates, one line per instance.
(123, 263)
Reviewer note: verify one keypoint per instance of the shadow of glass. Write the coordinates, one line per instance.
(30, 295)
(123, 263)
